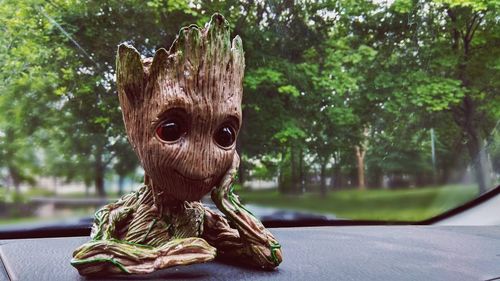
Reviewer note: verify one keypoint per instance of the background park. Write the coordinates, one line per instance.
(384, 110)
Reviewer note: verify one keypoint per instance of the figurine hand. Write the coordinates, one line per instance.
(115, 256)
(229, 204)
(184, 251)
(258, 242)
(225, 185)
(249, 227)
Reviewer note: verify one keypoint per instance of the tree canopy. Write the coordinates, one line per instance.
(338, 89)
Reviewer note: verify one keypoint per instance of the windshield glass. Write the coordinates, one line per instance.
(357, 110)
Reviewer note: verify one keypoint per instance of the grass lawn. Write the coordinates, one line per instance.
(73, 213)
(378, 204)
(9, 221)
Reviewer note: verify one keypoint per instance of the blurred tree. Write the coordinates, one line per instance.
(438, 58)
(78, 99)
(23, 77)
(125, 164)
(324, 79)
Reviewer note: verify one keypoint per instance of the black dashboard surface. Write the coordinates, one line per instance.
(310, 253)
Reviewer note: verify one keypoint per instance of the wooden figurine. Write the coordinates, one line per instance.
(182, 113)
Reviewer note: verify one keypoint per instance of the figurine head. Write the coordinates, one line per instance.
(182, 108)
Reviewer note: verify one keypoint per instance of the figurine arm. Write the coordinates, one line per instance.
(249, 239)
(118, 256)
(128, 239)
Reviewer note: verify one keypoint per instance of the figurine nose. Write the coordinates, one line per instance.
(202, 158)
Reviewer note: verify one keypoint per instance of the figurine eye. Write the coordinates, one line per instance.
(225, 136)
(171, 129)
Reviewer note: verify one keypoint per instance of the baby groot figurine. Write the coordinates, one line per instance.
(182, 114)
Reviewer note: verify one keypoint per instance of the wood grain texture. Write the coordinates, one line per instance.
(197, 82)
(201, 74)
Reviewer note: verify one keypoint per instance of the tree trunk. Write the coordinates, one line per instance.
(292, 170)
(121, 181)
(14, 173)
(301, 171)
(421, 179)
(285, 172)
(465, 114)
(337, 175)
(15, 178)
(478, 157)
(360, 160)
(280, 180)
(322, 186)
(99, 183)
(55, 184)
(99, 175)
(295, 174)
(375, 178)
(444, 175)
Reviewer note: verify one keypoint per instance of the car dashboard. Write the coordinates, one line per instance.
(310, 253)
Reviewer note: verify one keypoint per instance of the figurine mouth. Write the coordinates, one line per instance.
(197, 179)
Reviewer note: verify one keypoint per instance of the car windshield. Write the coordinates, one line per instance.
(352, 110)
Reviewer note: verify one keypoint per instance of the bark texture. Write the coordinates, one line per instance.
(197, 83)
(200, 77)
(360, 161)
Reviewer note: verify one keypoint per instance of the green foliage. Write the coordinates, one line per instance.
(291, 132)
(262, 77)
(473, 4)
(322, 77)
(289, 90)
(402, 6)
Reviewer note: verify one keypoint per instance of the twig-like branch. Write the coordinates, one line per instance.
(469, 27)
(477, 26)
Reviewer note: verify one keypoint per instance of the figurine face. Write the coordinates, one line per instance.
(191, 140)
(182, 109)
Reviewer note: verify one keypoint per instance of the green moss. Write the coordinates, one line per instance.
(274, 247)
(147, 247)
(149, 230)
(75, 263)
